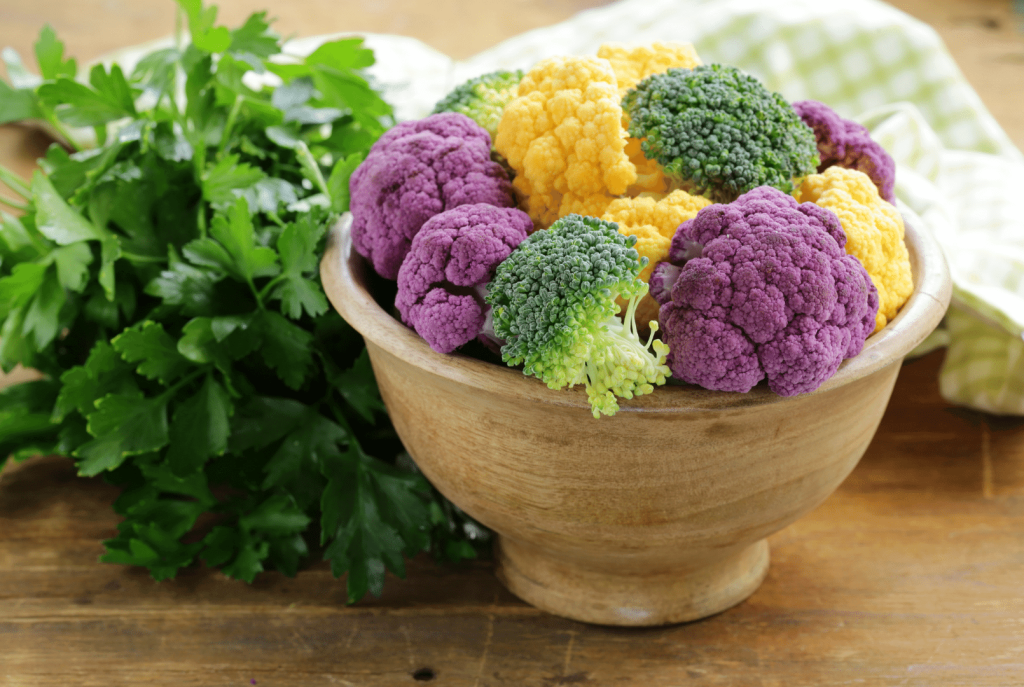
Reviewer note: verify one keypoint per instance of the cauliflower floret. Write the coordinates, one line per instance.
(874, 232)
(442, 281)
(848, 144)
(415, 171)
(649, 177)
(632, 65)
(761, 288)
(653, 221)
(563, 136)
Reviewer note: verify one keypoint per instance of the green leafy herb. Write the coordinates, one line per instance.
(166, 284)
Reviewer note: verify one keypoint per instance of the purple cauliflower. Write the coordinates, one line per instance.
(415, 171)
(848, 144)
(442, 282)
(762, 287)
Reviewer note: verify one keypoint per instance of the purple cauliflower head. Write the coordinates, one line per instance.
(442, 283)
(414, 171)
(848, 144)
(759, 288)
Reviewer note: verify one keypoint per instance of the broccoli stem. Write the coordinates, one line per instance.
(621, 364)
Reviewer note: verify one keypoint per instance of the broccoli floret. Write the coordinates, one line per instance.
(483, 99)
(553, 301)
(719, 132)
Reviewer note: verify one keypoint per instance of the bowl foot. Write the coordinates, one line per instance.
(559, 586)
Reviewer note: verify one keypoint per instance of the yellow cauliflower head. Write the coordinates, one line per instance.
(653, 220)
(874, 232)
(649, 177)
(563, 136)
(633, 65)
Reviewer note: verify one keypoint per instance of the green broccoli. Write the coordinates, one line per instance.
(719, 132)
(483, 99)
(553, 302)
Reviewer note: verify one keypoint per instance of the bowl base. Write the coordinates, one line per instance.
(558, 586)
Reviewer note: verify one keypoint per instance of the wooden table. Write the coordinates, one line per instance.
(911, 574)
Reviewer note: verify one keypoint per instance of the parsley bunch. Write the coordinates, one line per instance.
(165, 283)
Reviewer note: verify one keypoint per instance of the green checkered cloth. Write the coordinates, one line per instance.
(958, 174)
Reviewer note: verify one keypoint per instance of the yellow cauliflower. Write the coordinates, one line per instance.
(874, 232)
(649, 177)
(563, 136)
(653, 221)
(633, 65)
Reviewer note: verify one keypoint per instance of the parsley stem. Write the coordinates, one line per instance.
(51, 119)
(271, 284)
(135, 257)
(14, 204)
(256, 294)
(276, 220)
(199, 164)
(343, 421)
(15, 183)
(185, 380)
(201, 219)
(232, 115)
(171, 102)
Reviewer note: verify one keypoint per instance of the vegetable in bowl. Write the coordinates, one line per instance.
(553, 302)
(443, 280)
(718, 132)
(761, 288)
(652, 144)
(414, 171)
(483, 98)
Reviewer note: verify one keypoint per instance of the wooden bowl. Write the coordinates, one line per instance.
(658, 514)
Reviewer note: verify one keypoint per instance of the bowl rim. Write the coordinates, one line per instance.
(343, 273)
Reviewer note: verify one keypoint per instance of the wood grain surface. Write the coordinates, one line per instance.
(912, 573)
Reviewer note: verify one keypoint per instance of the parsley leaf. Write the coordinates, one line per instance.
(200, 428)
(50, 54)
(155, 71)
(359, 388)
(18, 288)
(237, 235)
(254, 38)
(72, 263)
(17, 104)
(124, 425)
(191, 289)
(372, 516)
(286, 348)
(337, 184)
(154, 349)
(56, 220)
(221, 181)
(109, 99)
(42, 317)
(201, 21)
(104, 372)
(296, 291)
